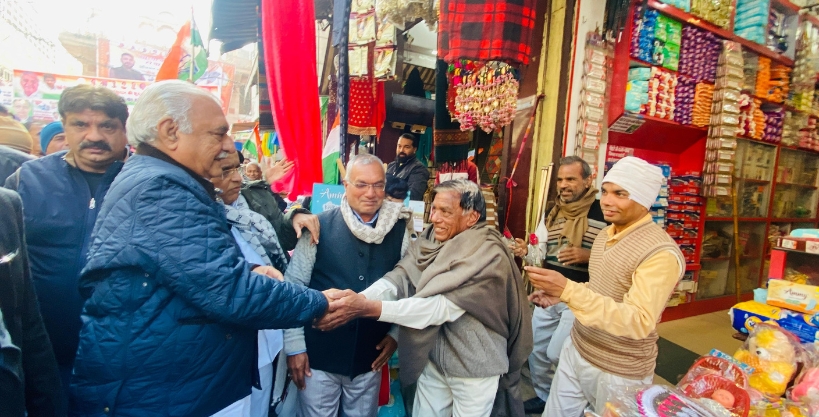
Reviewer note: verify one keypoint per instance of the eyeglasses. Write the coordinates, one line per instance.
(227, 173)
(363, 186)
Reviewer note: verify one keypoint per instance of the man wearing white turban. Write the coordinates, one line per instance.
(633, 268)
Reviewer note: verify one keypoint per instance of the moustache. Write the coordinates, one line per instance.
(222, 155)
(98, 145)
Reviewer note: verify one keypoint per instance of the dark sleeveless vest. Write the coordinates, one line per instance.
(345, 262)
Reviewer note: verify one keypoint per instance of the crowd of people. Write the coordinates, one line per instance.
(148, 269)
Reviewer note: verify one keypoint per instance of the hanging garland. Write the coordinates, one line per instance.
(485, 95)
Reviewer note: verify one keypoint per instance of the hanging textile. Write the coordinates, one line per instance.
(367, 108)
(486, 30)
(451, 143)
(290, 63)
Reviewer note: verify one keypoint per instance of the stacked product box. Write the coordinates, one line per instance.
(661, 94)
(684, 100)
(751, 20)
(774, 122)
(699, 52)
(720, 151)
(666, 44)
(637, 89)
(659, 209)
(642, 37)
(777, 39)
(683, 213)
(717, 12)
(684, 5)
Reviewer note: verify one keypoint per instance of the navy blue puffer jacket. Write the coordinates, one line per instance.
(170, 326)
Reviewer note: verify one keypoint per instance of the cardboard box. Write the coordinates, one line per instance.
(804, 244)
(796, 297)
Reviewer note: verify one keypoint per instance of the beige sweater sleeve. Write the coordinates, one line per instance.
(638, 314)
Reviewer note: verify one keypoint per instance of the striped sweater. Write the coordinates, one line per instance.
(610, 274)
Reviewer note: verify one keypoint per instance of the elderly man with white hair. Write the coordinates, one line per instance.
(173, 309)
(633, 269)
(465, 326)
(360, 242)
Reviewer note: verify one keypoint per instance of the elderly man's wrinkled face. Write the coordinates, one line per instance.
(618, 208)
(230, 181)
(95, 140)
(447, 216)
(253, 172)
(365, 189)
(204, 149)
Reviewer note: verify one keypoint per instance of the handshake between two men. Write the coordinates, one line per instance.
(344, 306)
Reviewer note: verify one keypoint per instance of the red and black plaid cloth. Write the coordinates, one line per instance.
(486, 30)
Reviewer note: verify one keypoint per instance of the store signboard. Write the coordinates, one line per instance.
(326, 197)
(146, 61)
(33, 96)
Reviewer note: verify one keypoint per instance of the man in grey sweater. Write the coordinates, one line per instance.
(459, 299)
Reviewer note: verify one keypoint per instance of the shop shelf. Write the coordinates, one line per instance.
(678, 14)
(728, 258)
(658, 134)
(785, 184)
(796, 148)
(693, 267)
(748, 180)
(730, 219)
(793, 220)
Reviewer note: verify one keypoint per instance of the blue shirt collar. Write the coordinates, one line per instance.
(370, 223)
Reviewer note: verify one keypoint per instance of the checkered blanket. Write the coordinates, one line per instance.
(486, 30)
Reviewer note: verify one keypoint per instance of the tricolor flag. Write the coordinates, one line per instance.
(187, 59)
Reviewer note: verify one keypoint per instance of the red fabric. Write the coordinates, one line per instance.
(367, 107)
(170, 66)
(486, 30)
(384, 391)
(290, 64)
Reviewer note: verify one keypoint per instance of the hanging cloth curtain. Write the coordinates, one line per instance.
(290, 64)
(488, 30)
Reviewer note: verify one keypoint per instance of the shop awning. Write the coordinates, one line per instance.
(235, 23)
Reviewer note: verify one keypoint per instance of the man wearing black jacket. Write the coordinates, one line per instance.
(29, 380)
(408, 168)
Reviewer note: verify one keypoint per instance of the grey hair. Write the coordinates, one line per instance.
(471, 195)
(170, 98)
(361, 159)
(258, 165)
(574, 159)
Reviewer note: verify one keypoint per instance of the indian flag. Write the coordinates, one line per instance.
(187, 59)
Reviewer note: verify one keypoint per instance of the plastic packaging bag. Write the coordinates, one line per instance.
(657, 400)
(773, 353)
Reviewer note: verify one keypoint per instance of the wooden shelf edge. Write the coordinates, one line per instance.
(785, 4)
(741, 219)
(793, 220)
